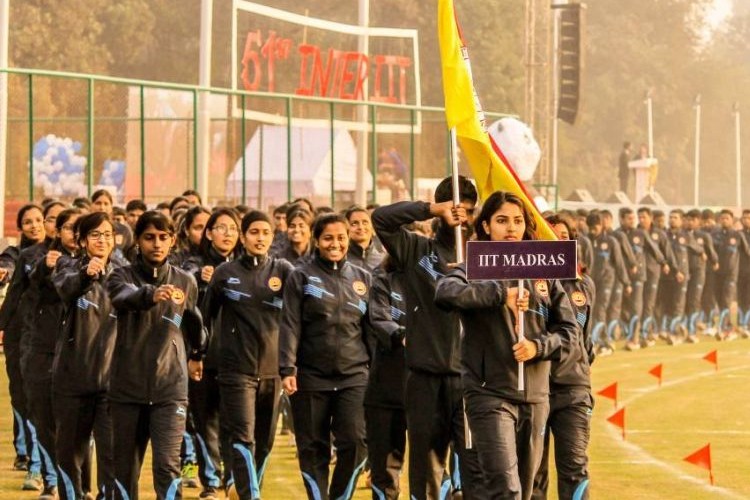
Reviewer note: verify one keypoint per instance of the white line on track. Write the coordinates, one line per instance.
(642, 456)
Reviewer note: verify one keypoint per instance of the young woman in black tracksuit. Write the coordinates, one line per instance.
(507, 425)
(82, 359)
(40, 338)
(160, 340)
(30, 222)
(299, 247)
(570, 397)
(247, 293)
(219, 244)
(189, 236)
(323, 360)
(384, 398)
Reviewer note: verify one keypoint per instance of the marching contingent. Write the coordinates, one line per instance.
(199, 329)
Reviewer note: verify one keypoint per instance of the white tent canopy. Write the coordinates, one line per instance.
(311, 161)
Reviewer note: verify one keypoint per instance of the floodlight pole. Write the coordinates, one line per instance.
(363, 46)
(650, 113)
(738, 152)
(4, 40)
(697, 106)
(203, 136)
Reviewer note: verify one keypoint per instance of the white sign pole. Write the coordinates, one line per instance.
(521, 338)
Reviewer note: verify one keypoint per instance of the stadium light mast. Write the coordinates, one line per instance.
(697, 106)
(363, 46)
(203, 137)
(738, 152)
(4, 40)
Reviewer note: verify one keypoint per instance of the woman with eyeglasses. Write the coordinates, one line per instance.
(83, 356)
(507, 425)
(40, 338)
(14, 268)
(219, 244)
(160, 341)
(323, 360)
(247, 294)
(102, 201)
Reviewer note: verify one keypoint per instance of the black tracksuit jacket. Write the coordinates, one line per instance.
(20, 296)
(367, 258)
(573, 367)
(387, 319)
(729, 243)
(247, 294)
(149, 363)
(489, 334)
(322, 337)
(433, 344)
(84, 351)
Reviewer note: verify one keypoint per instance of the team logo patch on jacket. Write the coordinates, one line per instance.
(732, 241)
(274, 283)
(359, 287)
(655, 236)
(637, 240)
(682, 240)
(578, 298)
(700, 241)
(178, 296)
(541, 288)
(604, 246)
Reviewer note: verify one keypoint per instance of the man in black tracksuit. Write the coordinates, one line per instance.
(608, 269)
(247, 294)
(642, 246)
(384, 398)
(614, 311)
(708, 300)
(158, 329)
(434, 393)
(698, 266)
(743, 280)
(654, 268)
(676, 282)
(729, 244)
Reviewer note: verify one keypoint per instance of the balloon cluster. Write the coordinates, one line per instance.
(516, 140)
(113, 175)
(58, 169)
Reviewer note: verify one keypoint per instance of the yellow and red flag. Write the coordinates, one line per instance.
(490, 168)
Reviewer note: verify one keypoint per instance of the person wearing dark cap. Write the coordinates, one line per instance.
(248, 295)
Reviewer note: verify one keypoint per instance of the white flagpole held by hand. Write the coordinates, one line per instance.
(459, 251)
(521, 336)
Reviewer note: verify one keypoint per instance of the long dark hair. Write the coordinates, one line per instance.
(183, 239)
(89, 222)
(19, 222)
(206, 244)
(62, 218)
(492, 204)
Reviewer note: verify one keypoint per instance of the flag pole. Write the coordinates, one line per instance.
(521, 337)
(459, 251)
(456, 195)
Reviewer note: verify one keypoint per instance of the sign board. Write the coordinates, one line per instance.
(276, 51)
(514, 260)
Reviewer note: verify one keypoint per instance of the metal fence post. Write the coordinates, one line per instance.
(374, 154)
(332, 117)
(288, 149)
(244, 159)
(195, 142)
(143, 143)
(31, 137)
(411, 154)
(90, 173)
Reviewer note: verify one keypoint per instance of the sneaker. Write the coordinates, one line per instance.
(21, 463)
(647, 342)
(49, 493)
(604, 351)
(33, 482)
(692, 339)
(189, 475)
(209, 493)
(744, 333)
(674, 340)
(632, 346)
(730, 336)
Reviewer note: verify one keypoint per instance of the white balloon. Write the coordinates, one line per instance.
(516, 140)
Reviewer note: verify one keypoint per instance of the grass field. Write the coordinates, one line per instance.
(694, 406)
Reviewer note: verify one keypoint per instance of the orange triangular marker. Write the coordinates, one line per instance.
(702, 458)
(610, 392)
(656, 371)
(618, 419)
(713, 358)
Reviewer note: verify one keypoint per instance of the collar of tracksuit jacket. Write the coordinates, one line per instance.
(253, 261)
(152, 274)
(329, 266)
